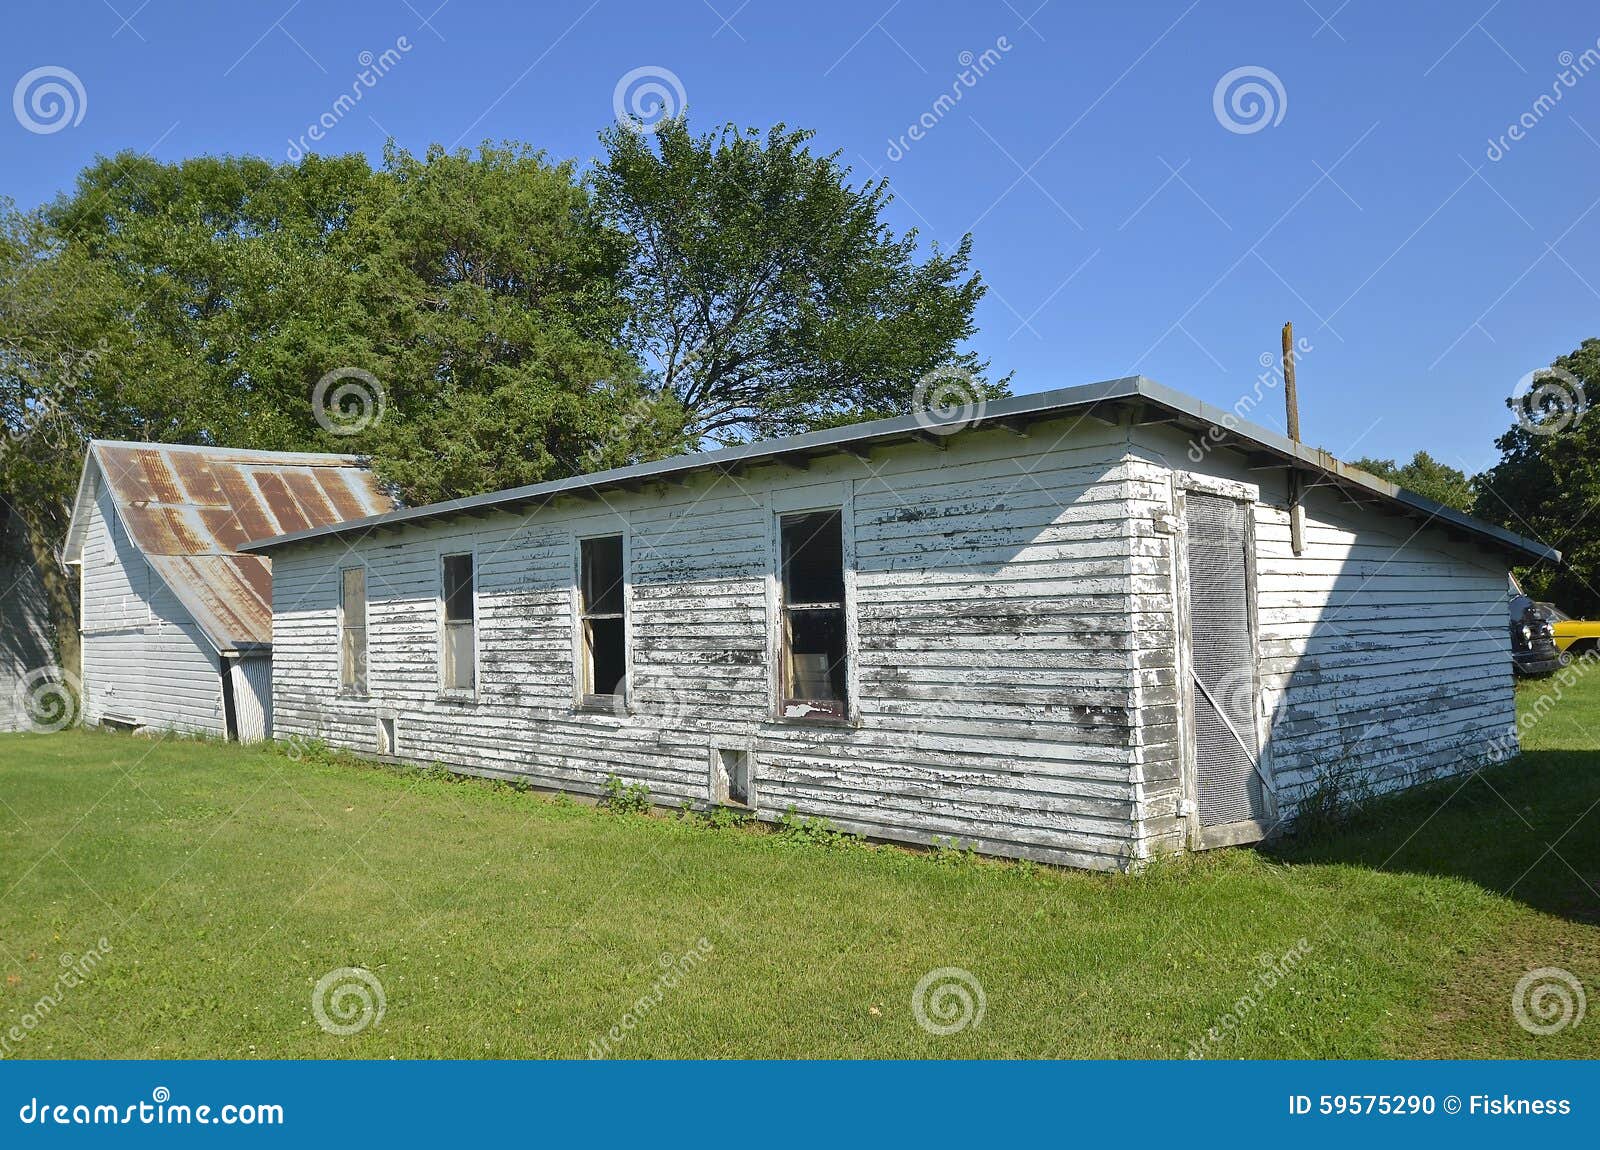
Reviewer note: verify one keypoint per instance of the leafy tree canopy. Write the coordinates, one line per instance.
(767, 295)
(478, 292)
(476, 299)
(1426, 476)
(1547, 482)
(495, 288)
(470, 321)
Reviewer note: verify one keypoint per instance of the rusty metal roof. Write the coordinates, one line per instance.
(189, 509)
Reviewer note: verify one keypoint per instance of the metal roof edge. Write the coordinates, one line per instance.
(1038, 403)
(1315, 459)
(73, 551)
(183, 595)
(1059, 401)
(72, 544)
(199, 611)
(328, 458)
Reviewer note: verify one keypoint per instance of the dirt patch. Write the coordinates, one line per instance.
(1473, 1013)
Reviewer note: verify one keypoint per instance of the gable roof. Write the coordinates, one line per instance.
(1153, 402)
(190, 509)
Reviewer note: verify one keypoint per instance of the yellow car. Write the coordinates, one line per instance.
(1574, 637)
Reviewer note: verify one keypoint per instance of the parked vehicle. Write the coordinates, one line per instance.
(1533, 643)
(1573, 637)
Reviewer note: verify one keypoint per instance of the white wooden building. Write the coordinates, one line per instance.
(176, 624)
(1073, 628)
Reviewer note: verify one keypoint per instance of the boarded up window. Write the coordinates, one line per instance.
(353, 631)
(813, 660)
(460, 641)
(604, 611)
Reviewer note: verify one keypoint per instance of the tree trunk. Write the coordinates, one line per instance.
(61, 593)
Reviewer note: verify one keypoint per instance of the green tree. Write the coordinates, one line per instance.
(478, 291)
(1547, 482)
(768, 296)
(469, 321)
(205, 301)
(58, 331)
(222, 281)
(1426, 476)
(491, 289)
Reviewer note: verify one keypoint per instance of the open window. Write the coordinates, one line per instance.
(353, 631)
(813, 662)
(460, 624)
(603, 610)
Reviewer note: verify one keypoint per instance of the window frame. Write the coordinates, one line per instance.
(445, 690)
(836, 499)
(350, 690)
(581, 699)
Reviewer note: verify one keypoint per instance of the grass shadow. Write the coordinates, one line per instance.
(1528, 829)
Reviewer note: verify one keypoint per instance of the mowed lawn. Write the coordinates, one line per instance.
(226, 883)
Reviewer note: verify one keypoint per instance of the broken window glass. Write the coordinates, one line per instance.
(353, 631)
(460, 624)
(814, 665)
(604, 611)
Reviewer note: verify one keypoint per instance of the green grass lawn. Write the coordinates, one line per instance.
(227, 882)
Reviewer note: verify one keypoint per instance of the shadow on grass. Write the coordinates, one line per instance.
(1528, 829)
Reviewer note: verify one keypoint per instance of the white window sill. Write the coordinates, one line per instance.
(602, 705)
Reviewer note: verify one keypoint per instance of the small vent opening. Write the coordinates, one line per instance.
(730, 771)
(387, 744)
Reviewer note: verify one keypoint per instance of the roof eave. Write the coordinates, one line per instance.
(1315, 460)
(72, 545)
(309, 458)
(1059, 403)
(1039, 404)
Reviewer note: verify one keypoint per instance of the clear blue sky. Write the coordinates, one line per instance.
(1119, 224)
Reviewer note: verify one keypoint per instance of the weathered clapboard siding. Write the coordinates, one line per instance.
(1382, 650)
(995, 660)
(186, 625)
(1018, 598)
(144, 658)
(1015, 648)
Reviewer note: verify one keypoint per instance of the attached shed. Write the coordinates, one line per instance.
(1073, 627)
(176, 623)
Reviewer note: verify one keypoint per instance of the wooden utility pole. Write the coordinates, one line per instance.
(1291, 402)
(1290, 399)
